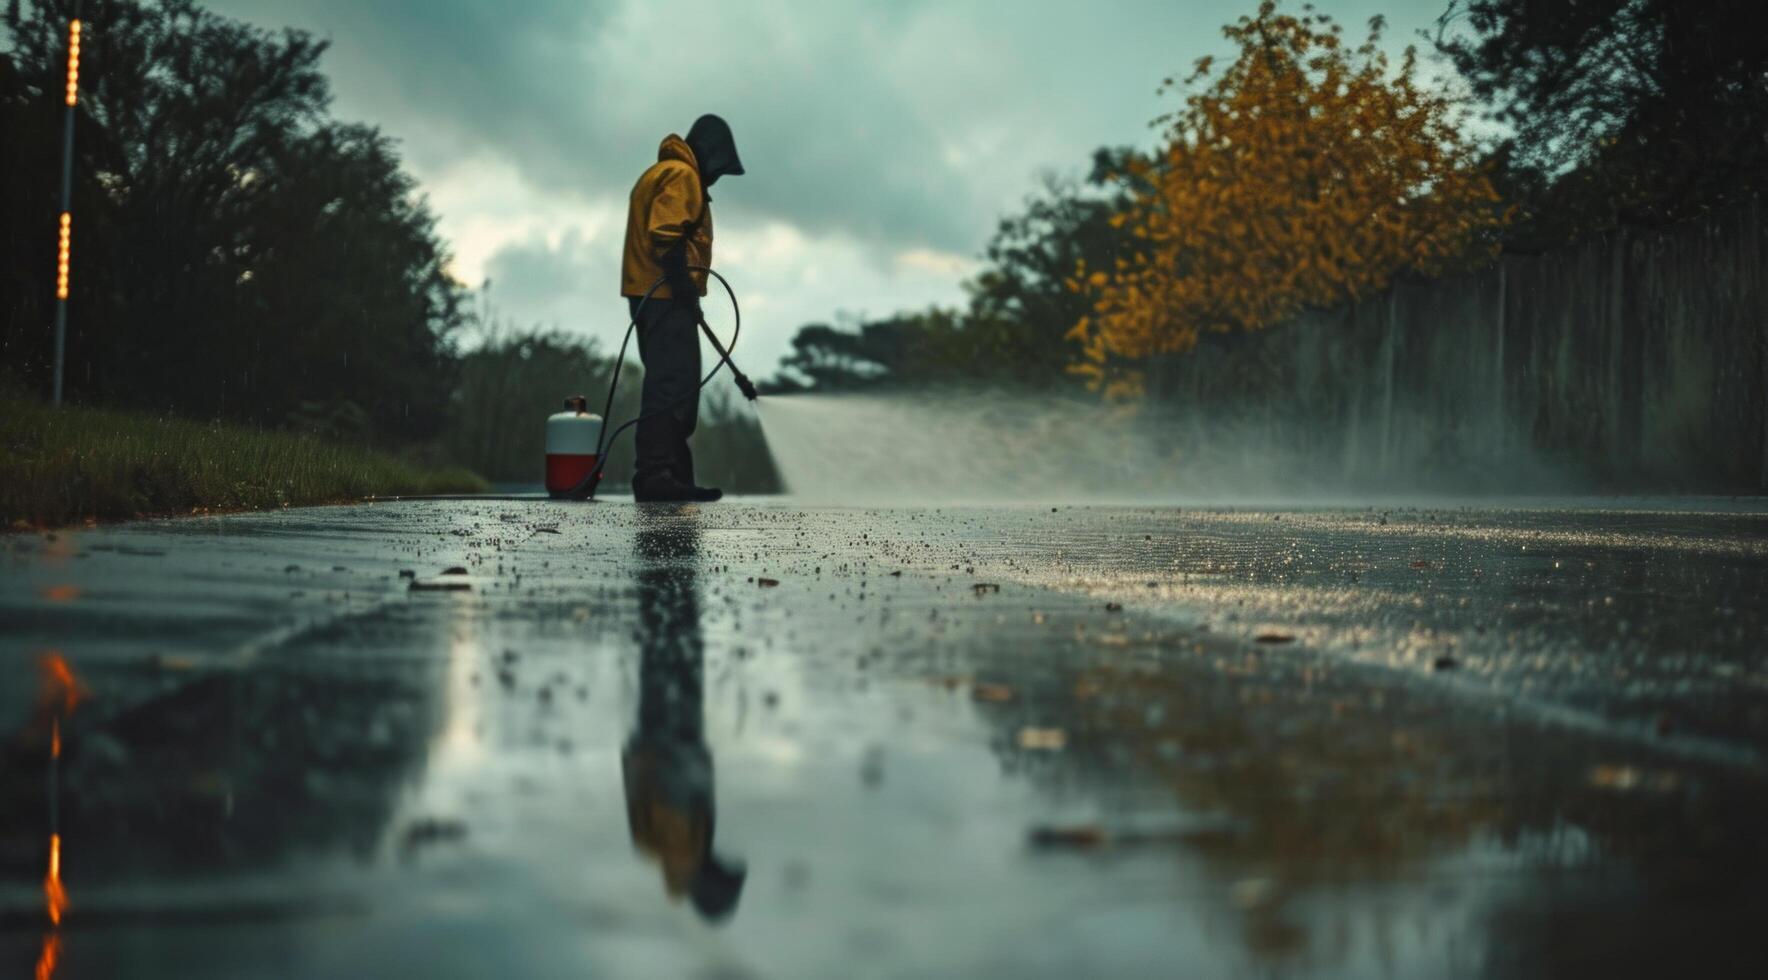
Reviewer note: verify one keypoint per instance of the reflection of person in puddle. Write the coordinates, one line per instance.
(666, 765)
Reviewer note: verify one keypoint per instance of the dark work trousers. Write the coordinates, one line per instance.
(669, 348)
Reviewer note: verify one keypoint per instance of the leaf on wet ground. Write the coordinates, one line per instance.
(1084, 836)
(767, 583)
(1274, 636)
(1624, 779)
(995, 693)
(427, 831)
(1250, 893)
(1080, 836)
(1043, 739)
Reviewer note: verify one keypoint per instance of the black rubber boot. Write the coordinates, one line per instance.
(665, 470)
(661, 486)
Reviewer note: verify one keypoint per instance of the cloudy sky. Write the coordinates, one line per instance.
(883, 138)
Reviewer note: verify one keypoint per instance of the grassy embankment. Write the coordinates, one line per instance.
(74, 464)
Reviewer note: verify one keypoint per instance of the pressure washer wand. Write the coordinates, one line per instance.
(742, 380)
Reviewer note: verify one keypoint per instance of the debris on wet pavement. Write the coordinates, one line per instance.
(1043, 739)
(991, 692)
(1542, 744)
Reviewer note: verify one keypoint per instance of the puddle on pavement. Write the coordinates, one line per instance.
(671, 771)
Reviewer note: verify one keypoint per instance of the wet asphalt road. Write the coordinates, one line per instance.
(758, 740)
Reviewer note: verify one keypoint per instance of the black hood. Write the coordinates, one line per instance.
(714, 148)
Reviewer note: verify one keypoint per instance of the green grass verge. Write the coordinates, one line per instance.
(63, 466)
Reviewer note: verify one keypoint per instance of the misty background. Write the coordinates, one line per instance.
(398, 225)
(883, 140)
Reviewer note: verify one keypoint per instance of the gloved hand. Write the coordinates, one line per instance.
(682, 288)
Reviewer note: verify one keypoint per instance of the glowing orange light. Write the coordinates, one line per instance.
(73, 60)
(50, 955)
(61, 593)
(60, 687)
(52, 890)
(55, 738)
(61, 256)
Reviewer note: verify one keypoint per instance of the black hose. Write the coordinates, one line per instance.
(586, 488)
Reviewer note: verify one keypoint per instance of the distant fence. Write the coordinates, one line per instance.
(1631, 362)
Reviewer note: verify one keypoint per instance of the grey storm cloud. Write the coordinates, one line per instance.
(457, 79)
(896, 122)
(544, 274)
(578, 95)
(872, 129)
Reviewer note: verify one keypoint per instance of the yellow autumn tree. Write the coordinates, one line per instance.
(1307, 174)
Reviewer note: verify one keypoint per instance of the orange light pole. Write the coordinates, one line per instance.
(65, 238)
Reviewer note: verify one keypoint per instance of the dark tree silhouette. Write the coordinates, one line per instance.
(237, 253)
(1623, 111)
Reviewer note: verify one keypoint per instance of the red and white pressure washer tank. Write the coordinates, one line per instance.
(571, 438)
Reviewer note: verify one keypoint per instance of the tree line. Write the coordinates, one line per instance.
(237, 253)
(240, 254)
(1314, 170)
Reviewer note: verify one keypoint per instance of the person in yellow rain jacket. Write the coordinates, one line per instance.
(669, 229)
